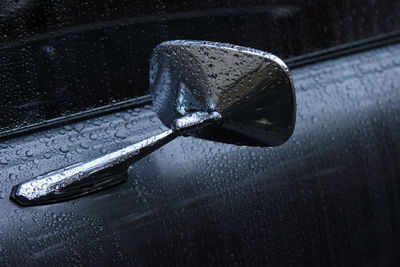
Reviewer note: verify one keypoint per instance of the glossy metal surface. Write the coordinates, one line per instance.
(73, 181)
(251, 89)
(83, 178)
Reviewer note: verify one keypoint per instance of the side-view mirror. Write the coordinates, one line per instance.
(215, 91)
(251, 89)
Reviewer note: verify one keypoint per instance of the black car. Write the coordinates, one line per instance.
(75, 87)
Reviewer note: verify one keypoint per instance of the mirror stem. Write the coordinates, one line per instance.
(83, 178)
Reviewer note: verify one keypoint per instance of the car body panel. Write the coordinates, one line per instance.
(329, 196)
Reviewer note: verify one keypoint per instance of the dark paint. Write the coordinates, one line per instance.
(329, 196)
(62, 57)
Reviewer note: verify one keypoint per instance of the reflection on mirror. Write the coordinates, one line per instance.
(251, 89)
(215, 91)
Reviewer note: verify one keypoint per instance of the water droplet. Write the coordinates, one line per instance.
(153, 119)
(79, 127)
(64, 149)
(120, 135)
(93, 136)
(84, 145)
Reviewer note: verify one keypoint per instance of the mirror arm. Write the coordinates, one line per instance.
(84, 178)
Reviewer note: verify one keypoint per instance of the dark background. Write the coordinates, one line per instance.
(60, 58)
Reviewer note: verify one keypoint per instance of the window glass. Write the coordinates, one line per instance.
(64, 57)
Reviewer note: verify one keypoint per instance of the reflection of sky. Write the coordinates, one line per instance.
(165, 79)
(187, 102)
(349, 85)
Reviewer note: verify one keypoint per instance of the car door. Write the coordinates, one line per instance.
(75, 87)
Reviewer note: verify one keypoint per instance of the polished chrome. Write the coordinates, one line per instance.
(215, 91)
(83, 178)
(194, 121)
(251, 89)
(67, 182)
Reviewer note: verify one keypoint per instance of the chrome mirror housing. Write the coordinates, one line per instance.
(251, 89)
(215, 91)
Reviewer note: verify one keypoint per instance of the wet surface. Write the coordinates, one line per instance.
(329, 196)
(251, 89)
(61, 58)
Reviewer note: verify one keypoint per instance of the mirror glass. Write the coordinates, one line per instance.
(251, 89)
